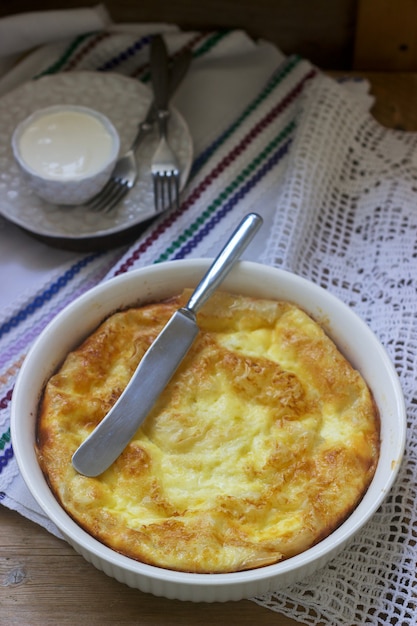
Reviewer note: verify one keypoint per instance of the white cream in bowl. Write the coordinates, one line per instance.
(66, 152)
(66, 144)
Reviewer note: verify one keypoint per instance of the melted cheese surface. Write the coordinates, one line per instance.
(262, 443)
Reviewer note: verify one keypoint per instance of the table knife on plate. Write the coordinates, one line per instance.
(174, 75)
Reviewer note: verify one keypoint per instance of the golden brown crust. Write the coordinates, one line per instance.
(263, 442)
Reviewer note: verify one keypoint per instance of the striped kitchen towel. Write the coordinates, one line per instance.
(273, 135)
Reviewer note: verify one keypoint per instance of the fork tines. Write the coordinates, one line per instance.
(111, 195)
(166, 189)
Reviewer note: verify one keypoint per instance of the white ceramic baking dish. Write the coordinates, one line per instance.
(351, 334)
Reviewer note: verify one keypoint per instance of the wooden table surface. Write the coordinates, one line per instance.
(43, 581)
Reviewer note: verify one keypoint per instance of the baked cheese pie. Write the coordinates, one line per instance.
(264, 441)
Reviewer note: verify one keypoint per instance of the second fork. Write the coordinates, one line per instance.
(165, 170)
(125, 173)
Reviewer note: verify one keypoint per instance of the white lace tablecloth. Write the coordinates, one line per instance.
(338, 195)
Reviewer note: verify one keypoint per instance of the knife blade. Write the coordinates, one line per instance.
(108, 440)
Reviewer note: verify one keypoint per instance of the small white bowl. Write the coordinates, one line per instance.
(66, 152)
(154, 283)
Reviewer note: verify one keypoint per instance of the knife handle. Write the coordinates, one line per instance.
(225, 260)
(179, 69)
(160, 72)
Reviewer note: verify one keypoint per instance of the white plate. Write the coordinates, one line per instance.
(125, 101)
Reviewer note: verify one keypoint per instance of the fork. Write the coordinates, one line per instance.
(164, 166)
(165, 170)
(125, 173)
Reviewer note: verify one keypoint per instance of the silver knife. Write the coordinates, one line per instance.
(108, 440)
(174, 77)
(160, 81)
